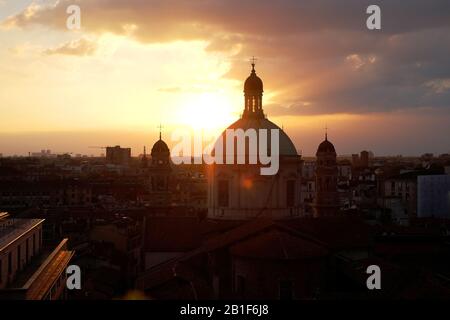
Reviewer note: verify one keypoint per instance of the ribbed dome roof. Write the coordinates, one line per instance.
(326, 147)
(160, 147)
(253, 82)
(287, 147)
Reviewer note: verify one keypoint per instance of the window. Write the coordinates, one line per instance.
(290, 193)
(223, 193)
(34, 243)
(286, 290)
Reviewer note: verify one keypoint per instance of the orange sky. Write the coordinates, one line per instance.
(177, 64)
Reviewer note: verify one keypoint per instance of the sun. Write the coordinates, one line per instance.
(210, 111)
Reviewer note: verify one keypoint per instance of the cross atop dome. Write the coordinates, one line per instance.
(253, 60)
(160, 127)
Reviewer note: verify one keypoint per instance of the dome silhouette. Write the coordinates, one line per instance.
(160, 148)
(325, 147)
(253, 82)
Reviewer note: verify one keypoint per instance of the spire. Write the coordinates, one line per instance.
(326, 133)
(160, 127)
(144, 159)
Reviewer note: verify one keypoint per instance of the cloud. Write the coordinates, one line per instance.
(439, 85)
(80, 47)
(185, 18)
(316, 57)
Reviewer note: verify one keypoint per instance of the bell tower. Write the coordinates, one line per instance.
(160, 172)
(326, 202)
(253, 93)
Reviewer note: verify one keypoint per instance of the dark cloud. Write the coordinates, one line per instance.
(316, 56)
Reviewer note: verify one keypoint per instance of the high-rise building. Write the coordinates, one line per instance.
(117, 155)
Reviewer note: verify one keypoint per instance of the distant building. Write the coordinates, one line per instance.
(117, 155)
(28, 269)
(403, 187)
(364, 159)
(43, 154)
(355, 160)
(23, 194)
(433, 196)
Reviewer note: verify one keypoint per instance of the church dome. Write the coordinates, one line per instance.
(287, 147)
(253, 83)
(160, 148)
(239, 188)
(253, 117)
(326, 147)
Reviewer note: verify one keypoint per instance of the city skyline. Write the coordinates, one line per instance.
(222, 155)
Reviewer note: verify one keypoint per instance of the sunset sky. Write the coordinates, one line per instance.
(137, 63)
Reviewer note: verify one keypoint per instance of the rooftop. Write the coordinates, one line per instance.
(39, 276)
(11, 229)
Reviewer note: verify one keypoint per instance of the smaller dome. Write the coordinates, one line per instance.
(326, 147)
(160, 147)
(253, 82)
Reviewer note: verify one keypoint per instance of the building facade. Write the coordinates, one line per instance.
(28, 269)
